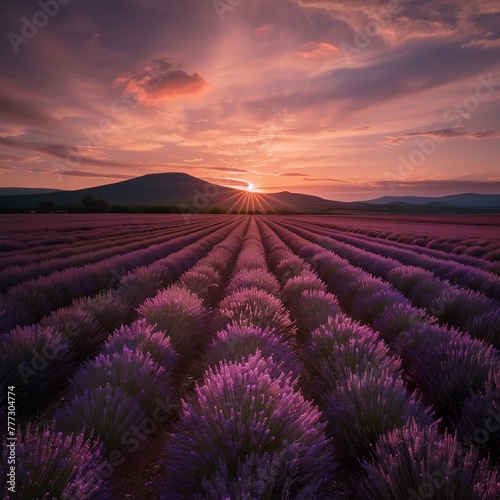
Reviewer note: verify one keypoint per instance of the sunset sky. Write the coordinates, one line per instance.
(345, 99)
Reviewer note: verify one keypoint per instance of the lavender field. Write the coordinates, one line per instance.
(249, 357)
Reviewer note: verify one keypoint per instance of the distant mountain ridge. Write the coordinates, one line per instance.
(15, 191)
(177, 189)
(191, 193)
(458, 200)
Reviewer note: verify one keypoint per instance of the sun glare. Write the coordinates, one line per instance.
(250, 187)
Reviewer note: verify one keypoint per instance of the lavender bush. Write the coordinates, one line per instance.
(181, 315)
(291, 267)
(131, 371)
(294, 287)
(140, 336)
(37, 361)
(203, 281)
(314, 308)
(105, 413)
(253, 307)
(51, 465)
(485, 327)
(258, 278)
(366, 406)
(237, 343)
(80, 327)
(239, 412)
(447, 367)
(416, 462)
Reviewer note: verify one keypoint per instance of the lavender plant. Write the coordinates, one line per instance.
(37, 361)
(106, 413)
(239, 412)
(143, 337)
(133, 372)
(237, 343)
(415, 462)
(181, 315)
(253, 307)
(258, 278)
(51, 465)
(364, 407)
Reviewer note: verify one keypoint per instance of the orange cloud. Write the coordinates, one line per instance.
(312, 50)
(157, 82)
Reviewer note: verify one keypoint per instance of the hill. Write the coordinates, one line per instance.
(177, 189)
(188, 193)
(22, 191)
(457, 200)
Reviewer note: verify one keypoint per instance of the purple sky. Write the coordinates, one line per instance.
(345, 99)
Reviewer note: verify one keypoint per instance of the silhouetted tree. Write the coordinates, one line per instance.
(47, 206)
(95, 205)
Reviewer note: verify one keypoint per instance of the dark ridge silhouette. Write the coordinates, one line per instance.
(458, 200)
(14, 191)
(189, 193)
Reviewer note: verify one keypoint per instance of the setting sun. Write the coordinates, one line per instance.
(250, 187)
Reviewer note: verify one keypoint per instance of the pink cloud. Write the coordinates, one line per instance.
(484, 43)
(157, 82)
(313, 49)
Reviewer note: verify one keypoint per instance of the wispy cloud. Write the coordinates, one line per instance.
(484, 43)
(446, 133)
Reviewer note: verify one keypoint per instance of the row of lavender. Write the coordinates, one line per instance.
(459, 295)
(47, 233)
(456, 245)
(247, 431)
(36, 247)
(95, 251)
(29, 301)
(467, 272)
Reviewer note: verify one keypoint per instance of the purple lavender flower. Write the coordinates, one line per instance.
(140, 336)
(131, 371)
(253, 307)
(51, 465)
(106, 413)
(181, 315)
(240, 414)
(258, 278)
(416, 462)
(237, 343)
